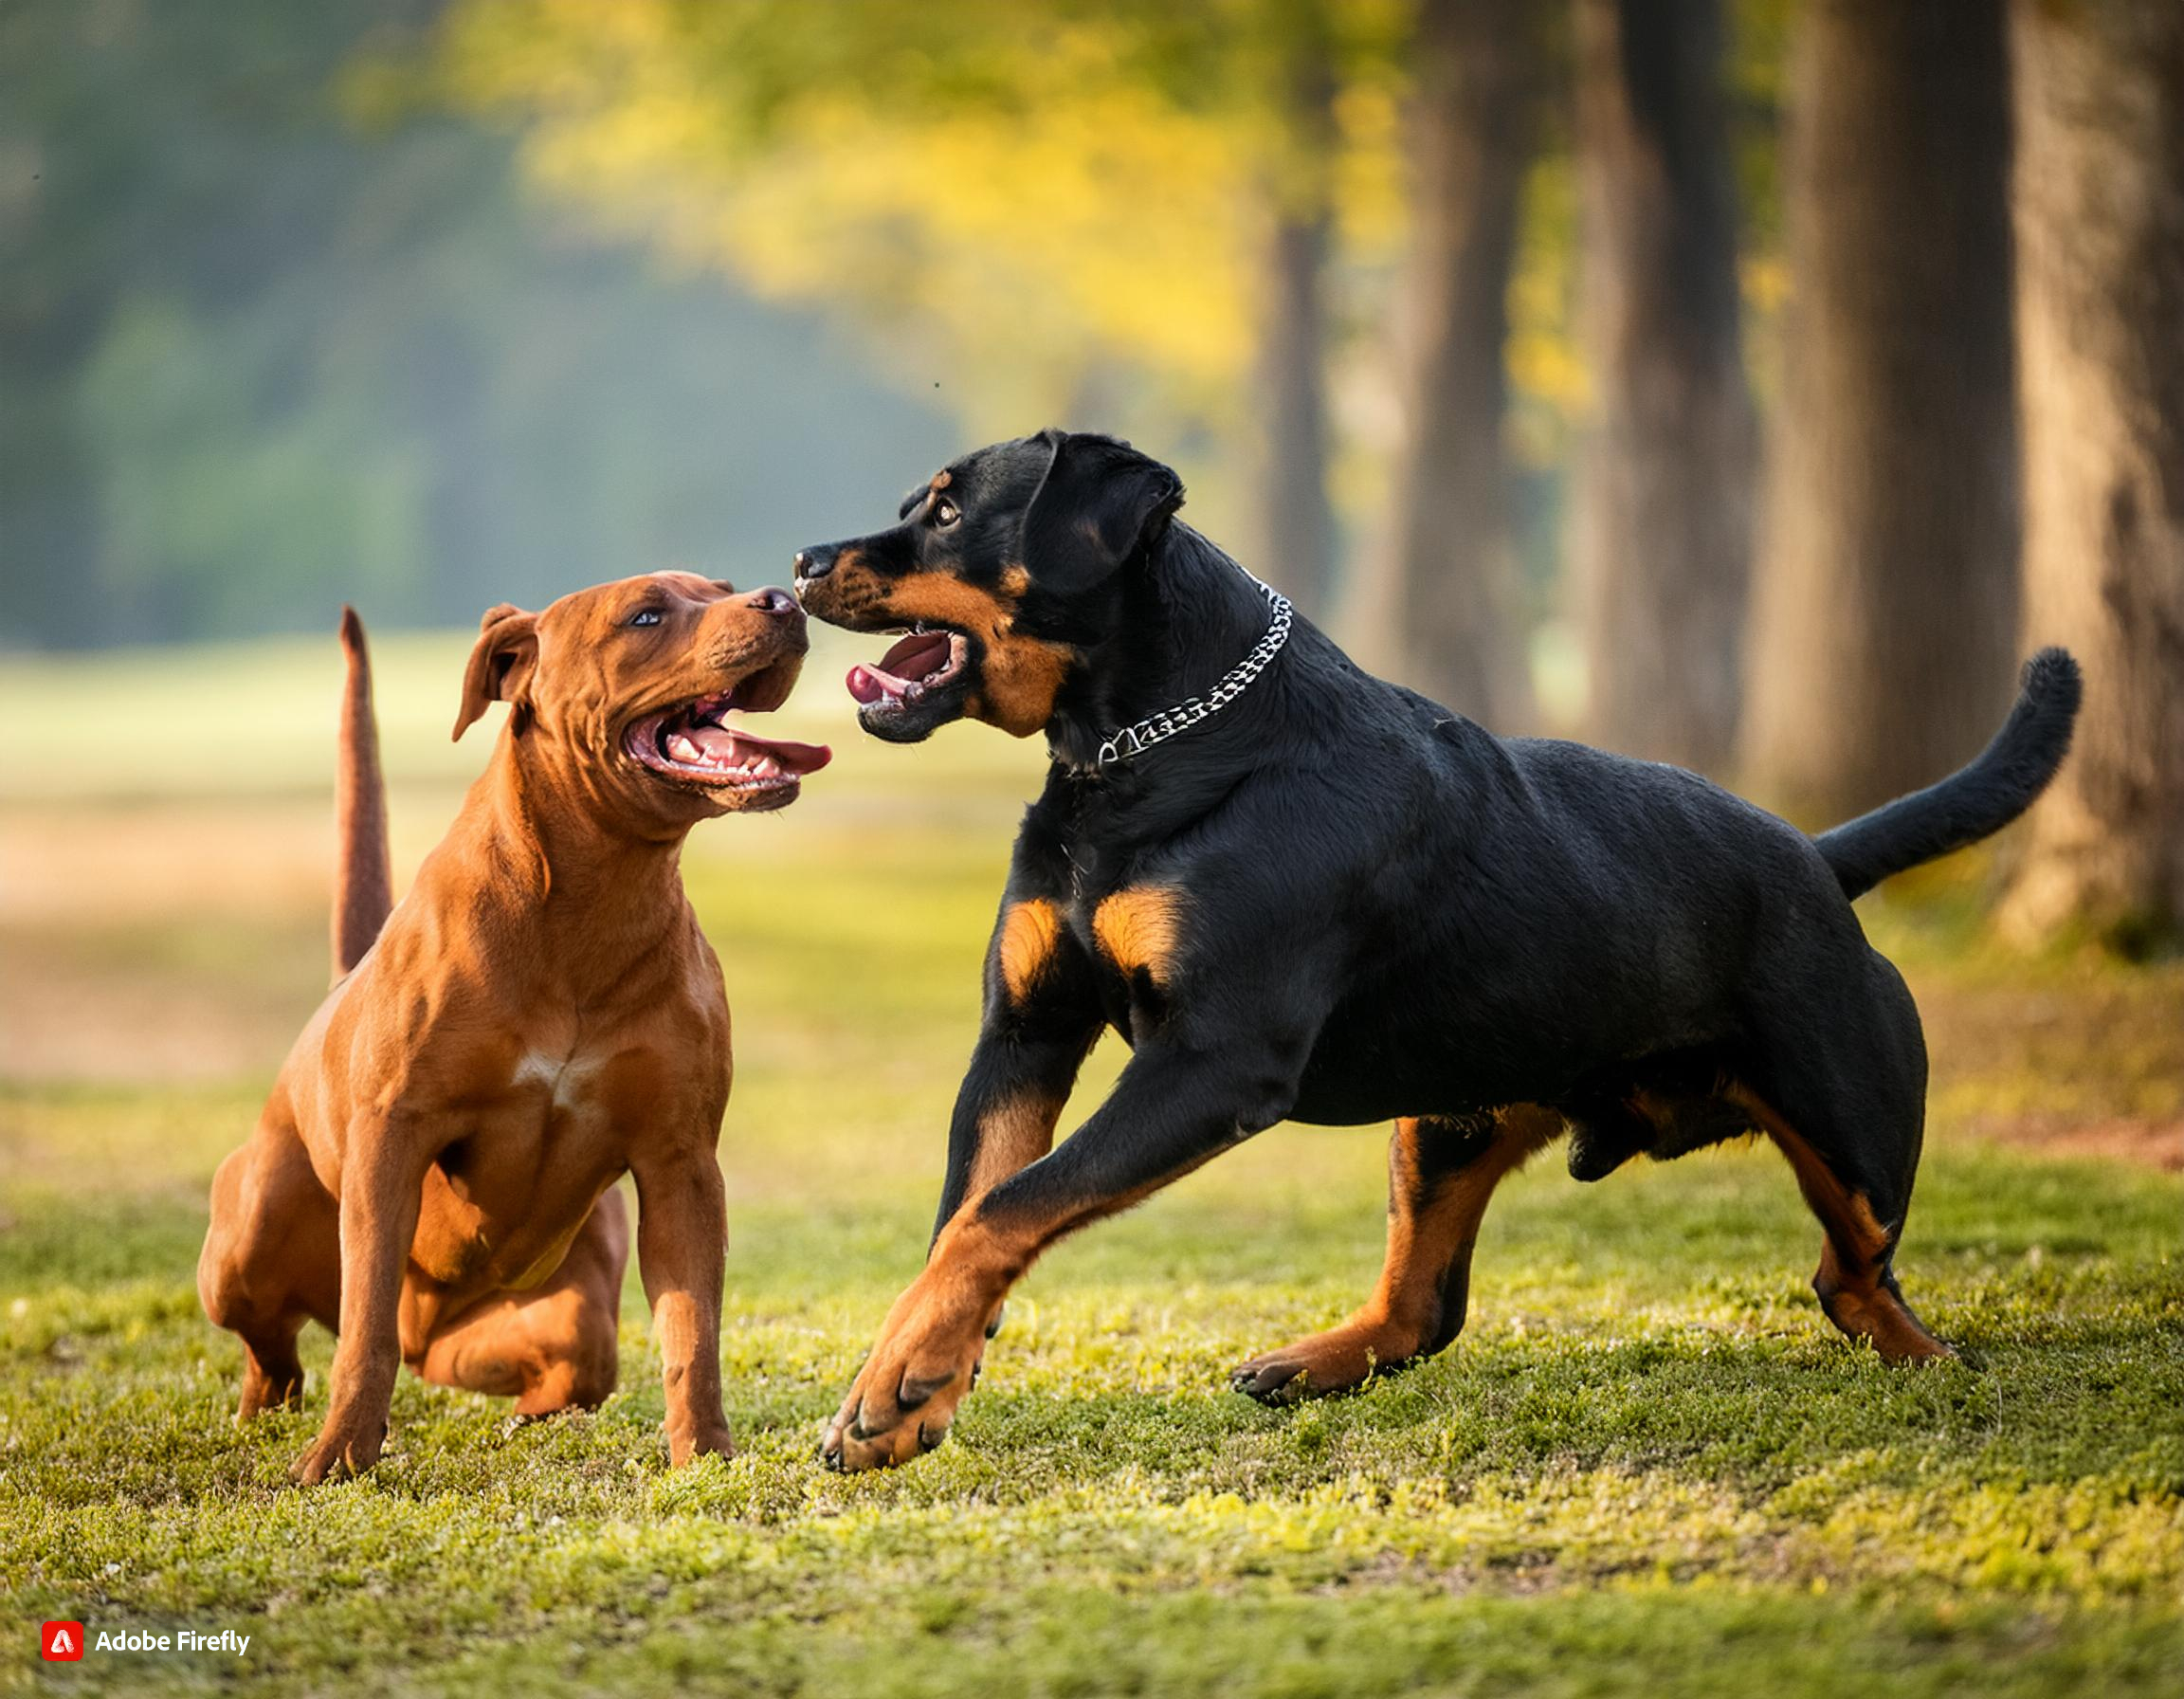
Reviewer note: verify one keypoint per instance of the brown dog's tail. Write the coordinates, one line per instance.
(363, 886)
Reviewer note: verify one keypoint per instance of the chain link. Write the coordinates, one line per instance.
(1134, 740)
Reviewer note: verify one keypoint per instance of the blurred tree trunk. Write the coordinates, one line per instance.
(1664, 504)
(1296, 547)
(1438, 606)
(1884, 623)
(2099, 208)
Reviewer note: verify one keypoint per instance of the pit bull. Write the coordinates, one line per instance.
(432, 1176)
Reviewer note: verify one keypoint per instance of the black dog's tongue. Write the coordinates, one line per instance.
(911, 659)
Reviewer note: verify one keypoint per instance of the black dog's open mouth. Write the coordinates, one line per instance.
(695, 745)
(930, 659)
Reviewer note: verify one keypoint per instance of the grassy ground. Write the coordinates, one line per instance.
(1648, 1465)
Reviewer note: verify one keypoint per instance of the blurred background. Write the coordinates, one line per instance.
(1748, 384)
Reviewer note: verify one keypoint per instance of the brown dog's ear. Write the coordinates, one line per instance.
(1101, 501)
(500, 665)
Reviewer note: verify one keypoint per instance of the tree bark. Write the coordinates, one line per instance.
(1663, 505)
(2100, 211)
(1438, 609)
(1296, 547)
(1886, 605)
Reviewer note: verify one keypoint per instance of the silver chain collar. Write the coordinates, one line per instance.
(1134, 740)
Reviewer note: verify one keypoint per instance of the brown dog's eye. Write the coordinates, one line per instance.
(645, 617)
(944, 512)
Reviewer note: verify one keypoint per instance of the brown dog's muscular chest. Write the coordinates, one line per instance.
(547, 1119)
(503, 1203)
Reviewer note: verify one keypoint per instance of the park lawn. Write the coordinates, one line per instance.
(1648, 1465)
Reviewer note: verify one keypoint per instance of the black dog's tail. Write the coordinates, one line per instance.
(1977, 800)
(363, 885)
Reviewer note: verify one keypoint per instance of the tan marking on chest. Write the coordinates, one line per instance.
(1027, 938)
(1140, 929)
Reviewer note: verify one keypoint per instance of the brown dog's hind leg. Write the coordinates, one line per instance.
(555, 1348)
(1441, 1176)
(270, 1263)
(272, 1374)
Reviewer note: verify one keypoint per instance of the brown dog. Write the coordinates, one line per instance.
(431, 1175)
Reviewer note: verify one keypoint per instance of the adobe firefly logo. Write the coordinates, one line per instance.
(61, 1642)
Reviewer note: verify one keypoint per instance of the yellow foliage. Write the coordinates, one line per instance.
(1025, 209)
(1010, 247)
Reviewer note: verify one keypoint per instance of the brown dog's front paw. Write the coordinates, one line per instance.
(892, 1415)
(1327, 1362)
(336, 1456)
(711, 1441)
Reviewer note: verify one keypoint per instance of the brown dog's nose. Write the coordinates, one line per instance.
(772, 599)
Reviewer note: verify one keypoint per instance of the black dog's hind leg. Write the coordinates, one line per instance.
(1441, 1176)
(1847, 1106)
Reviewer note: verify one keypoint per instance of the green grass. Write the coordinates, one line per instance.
(1649, 1467)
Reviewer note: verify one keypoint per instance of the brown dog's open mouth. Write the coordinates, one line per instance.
(928, 659)
(694, 744)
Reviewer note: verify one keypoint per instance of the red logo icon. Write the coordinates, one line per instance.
(61, 1642)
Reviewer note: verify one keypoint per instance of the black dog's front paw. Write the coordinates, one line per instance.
(1321, 1363)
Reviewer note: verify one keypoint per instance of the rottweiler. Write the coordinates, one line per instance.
(1300, 892)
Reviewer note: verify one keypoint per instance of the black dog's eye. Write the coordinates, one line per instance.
(645, 617)
(945, 513)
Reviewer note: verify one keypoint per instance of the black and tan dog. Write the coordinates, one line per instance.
(1300, 892)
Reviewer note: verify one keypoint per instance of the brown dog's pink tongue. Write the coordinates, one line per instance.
(734, 748)
(798, 759)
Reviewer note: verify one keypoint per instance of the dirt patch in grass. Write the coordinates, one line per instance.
(2121, 1138)
(2082, 1058)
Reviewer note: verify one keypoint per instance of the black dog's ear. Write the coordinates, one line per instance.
(1101, 501)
